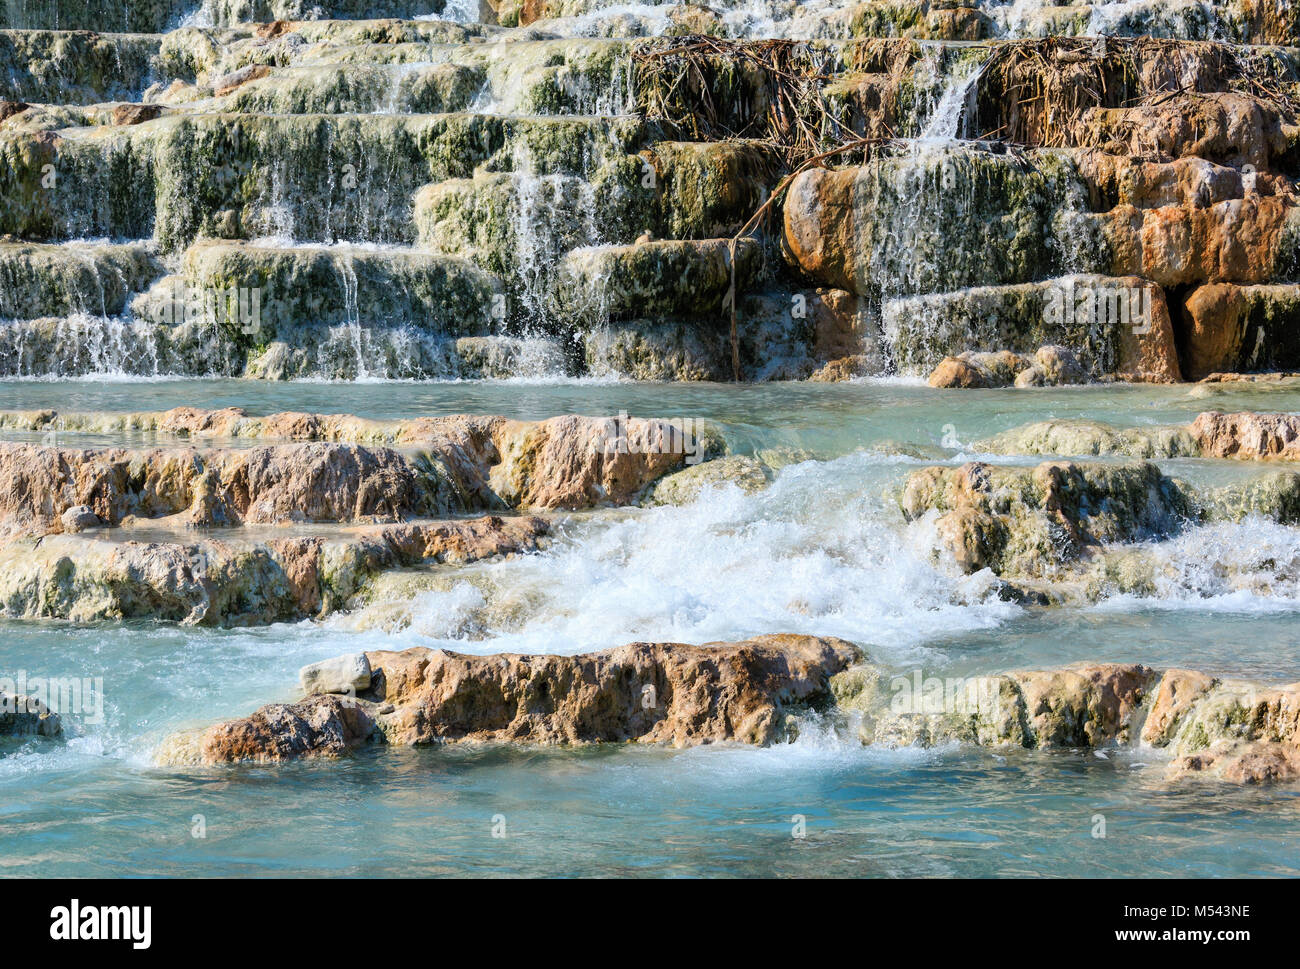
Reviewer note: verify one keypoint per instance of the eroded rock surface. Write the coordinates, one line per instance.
(1200, 724)
(664, 693)
(1031, 521)
(238, 579)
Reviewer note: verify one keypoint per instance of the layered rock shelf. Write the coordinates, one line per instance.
(644, 692)
(1048, 251)
(230, 529)
(758, 692)
(500, 189)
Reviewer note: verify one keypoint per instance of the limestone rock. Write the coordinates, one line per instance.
(235, 581)
(1231, 327)
(684, 487)
(1248, 435)
(1029, 522)
(644, 692)
(78, 518)
(129, 114)
(342, 674)
(1077, 438)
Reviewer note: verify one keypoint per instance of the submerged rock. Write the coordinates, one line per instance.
(23, 716)
(659, 693)
(1078, 437)
(684, 487)
(1244, 436)
(749, 691)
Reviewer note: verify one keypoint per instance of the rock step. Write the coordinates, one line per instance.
(155, 16)
(1245, 436)
(1113, 325)
(254, 294)
(448, 465)
(1232, 730)
(1056, 523)
(755, 692)
(348, 177)
(644, 692)
(62, 280)
(234, 580)
(54, 67)
(567, 76)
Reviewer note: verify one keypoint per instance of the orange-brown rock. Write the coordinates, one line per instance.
(839, 327)
(955, 372)
(130, 114)
(227, 83)
(659, 693)
(844, 368)
(577, 462)
(10, 108)
(1248, 435)
(1228, 128)
(1084, 707)
(464, 463)
(276, 28)
(1145, 184)
(267, 484)
(1242, 240)
(1227, 327)
(820, 233)
(1174, 697)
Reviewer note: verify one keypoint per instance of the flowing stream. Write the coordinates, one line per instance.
(823, 550)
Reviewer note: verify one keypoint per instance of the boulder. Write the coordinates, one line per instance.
(1030, 522)
(130, 114)
(343, 674)
(684, 487)
(78, 518)
(1248, 436)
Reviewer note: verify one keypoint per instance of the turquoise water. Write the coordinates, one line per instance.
(824, 550)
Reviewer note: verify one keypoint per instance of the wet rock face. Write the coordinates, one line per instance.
(1030, 522)
(1091, 706)
(1091, 437)
(687, 695)
(1197, 724)
(22, 716)
(429, 204)
(236, 580)
(304, 483)
(644, 693)
(1244, 436)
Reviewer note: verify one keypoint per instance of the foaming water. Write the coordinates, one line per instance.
(816, 553)
(823, 550)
